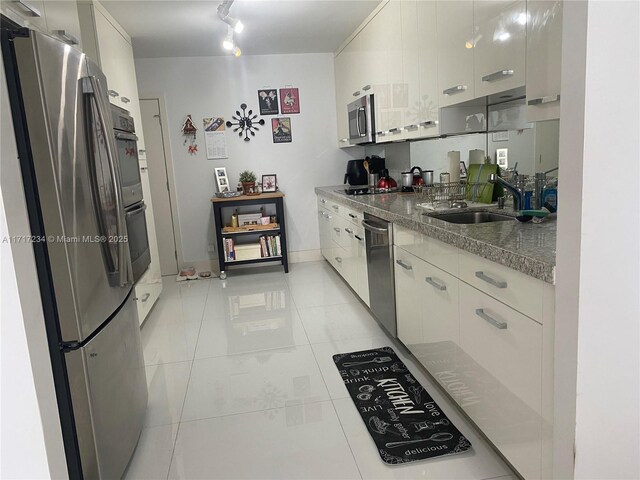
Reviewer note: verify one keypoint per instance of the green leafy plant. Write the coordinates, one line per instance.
(247, 177)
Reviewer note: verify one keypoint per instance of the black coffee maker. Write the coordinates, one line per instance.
(356, 174)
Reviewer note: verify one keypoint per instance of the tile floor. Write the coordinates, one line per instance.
(242, 384)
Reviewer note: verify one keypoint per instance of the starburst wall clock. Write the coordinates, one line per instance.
(246, 123)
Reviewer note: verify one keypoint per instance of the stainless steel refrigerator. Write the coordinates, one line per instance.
(67, 155)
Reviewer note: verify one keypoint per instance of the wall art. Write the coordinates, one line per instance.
(269, 183)
(246, 123)
(221, 179)
(281, 129)
(215, 137)
(189, 131)
(289, 100)
(268, 101)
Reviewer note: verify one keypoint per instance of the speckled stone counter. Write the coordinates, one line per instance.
(526, 247)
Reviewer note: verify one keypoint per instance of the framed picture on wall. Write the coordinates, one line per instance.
(281, 129)
(221, 179)
(289, 101)
(268, 101)
(269, 183)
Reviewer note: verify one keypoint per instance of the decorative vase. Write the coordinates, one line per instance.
(247, 187)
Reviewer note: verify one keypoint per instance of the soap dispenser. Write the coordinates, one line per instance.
(550, 194)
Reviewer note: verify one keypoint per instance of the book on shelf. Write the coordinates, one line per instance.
(270, 246)
(229, 249)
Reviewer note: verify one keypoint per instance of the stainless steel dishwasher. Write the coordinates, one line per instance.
(379, 249)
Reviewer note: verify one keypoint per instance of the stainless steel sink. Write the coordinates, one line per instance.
(471, 217)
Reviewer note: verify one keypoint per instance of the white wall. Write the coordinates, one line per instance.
(598, 246)
(216, 86)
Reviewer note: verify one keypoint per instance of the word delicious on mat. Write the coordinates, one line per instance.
(402, 418)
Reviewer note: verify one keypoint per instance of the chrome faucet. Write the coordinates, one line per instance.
(517, 194)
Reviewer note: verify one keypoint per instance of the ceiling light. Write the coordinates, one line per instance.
(227, 43)
(236, 24)
(236, 51)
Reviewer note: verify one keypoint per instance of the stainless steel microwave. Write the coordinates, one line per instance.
(361, 120)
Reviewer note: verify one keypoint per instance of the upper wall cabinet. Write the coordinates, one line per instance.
(62, 20)
(499, 45)
(28, 13)
(544, 59)
(455, 52)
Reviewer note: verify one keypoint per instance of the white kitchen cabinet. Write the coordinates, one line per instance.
(427, 107)
(409, 89)
(391, 33)
(544, 59)
(63, 21)
(439, 294)
(341, 70)
(324, 227)
(499, 45)
(27, 13)
(408, 272)
(455, 52)
(504, 356)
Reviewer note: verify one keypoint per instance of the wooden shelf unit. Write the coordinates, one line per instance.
(276, 199)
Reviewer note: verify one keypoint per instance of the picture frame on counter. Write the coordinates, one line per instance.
(222, 181)
(269, 183)
(463, 170)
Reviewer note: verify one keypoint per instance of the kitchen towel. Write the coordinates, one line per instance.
(454, 165)
(476, 156)
(404, 421)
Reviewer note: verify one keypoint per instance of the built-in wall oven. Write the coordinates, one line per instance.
(127, 153)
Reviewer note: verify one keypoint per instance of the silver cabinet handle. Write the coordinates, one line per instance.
(338, 259)
(353, 216)
(543, 100)
(126, 136)
(336, 208)
(33, 11)
(496, 283)
(336, 229)
(381, 134)
(437, 285)
(454, 90)
(125, 100)
(366, 88)
(356, 94)
(322, 200)
(499, 75)
(429, 123)
(491, 320)
(113, 93)
(371, 228)
(348, 230)
(144, 169)
(67, 37)
(142, 151)
(394, 131)
(359, 238)
(344, 140)
(145, 297)
(406, 266)
(411, 127)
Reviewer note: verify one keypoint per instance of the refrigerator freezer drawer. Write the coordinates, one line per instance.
(110, 409)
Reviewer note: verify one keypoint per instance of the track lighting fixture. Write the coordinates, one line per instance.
(233, 25)
(228, 43)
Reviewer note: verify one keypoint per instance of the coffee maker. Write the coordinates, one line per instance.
(357, 174)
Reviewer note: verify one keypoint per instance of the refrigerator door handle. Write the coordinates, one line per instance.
(93, 88)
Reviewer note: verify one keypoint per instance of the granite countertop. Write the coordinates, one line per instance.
(529, 248)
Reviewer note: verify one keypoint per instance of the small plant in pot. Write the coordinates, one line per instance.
(248, 180)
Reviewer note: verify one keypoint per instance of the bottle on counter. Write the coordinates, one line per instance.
(234, 219)
(550, 194)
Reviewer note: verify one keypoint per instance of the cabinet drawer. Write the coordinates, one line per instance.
(335, 208)
(434, 251)
(519, 291)
(503, 351)
(352, 216)
(323, 202)
(439, 304)
(340, 231)
(408, 271)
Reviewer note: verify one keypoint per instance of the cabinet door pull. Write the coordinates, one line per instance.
(491, 320)
(125, 99)
(67, 37)
(454, 90)
(336, 229)
(543, 100)
(429, 123)
(356, 94)
(499, 75)
(113, 93)
(145, 297)
(496, 283)
(359, 238)
(366, 88)
(143, 169)
(344, 140)
(435, 284)
(406, 266)
(322, 200)
(336, 208)
(348, 230)
(394, 131)
(338, 259)
(142, 151)
(411, 127)
(353, 216)
(33, 11)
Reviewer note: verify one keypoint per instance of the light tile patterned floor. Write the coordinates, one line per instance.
(242, 384)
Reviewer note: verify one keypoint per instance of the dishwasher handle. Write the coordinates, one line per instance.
(371, 228)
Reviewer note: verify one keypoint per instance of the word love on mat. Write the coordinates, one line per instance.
(403, 420)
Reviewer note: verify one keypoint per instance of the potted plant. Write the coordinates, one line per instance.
(248, 180)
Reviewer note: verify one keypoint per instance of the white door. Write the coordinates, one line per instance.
(157, 164)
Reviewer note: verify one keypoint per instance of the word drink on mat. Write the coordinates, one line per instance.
(402, 418)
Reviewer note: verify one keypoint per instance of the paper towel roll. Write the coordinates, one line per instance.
(476, 157)
(454, 165)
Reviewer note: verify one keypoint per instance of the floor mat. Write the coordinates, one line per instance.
(403, 420)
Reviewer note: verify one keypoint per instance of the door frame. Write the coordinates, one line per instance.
(166, 145)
